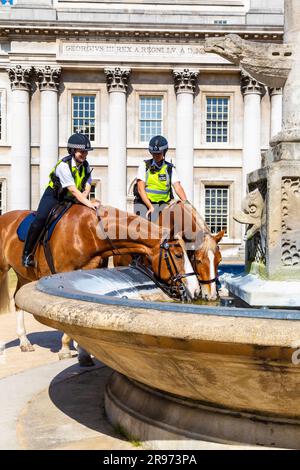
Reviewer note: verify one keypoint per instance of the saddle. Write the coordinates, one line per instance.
(53, 218)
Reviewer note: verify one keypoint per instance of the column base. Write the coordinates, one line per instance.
(164, 421)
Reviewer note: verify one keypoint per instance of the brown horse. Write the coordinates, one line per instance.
(201, 245)
(81, 240)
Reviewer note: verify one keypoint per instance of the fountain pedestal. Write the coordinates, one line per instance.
(273, 250)
(272, 205)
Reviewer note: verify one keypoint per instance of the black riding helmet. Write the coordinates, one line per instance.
(80, 142)
(158, 144)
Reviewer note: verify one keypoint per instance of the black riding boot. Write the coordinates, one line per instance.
(30, 246)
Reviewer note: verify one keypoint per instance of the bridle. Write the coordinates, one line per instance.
(192, 258)
(166, 255)
(176, 288)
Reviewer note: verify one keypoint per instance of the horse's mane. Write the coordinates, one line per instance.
(199, 220)
(207, 240)
(145, 227)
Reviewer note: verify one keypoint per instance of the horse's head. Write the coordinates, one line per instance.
(205, 261)
(171, 264)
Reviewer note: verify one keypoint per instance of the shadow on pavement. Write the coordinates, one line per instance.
(80, 395)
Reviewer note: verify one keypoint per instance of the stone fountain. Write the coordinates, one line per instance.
(191, 373)
(272, 206)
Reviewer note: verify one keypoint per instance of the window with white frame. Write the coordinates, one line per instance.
(84, 115)
(151, 117)
(217, 208)
(95, 190)
(217, 119)
(92, 194)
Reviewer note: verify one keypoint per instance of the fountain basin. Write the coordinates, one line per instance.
(227, 365)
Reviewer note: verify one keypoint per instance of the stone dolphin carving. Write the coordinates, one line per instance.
(268, 63)
(253, 213)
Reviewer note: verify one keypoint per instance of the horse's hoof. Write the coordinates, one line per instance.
(26, 347)
(86, 361)
(64, 355)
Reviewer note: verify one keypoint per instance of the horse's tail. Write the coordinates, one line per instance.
(4, 291)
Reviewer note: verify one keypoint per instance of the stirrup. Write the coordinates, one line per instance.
(28, 261)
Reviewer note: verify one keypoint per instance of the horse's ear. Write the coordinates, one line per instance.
(218, 236)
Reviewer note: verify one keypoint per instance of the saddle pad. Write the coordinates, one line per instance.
(25, 225)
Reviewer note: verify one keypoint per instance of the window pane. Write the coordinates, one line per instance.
(216, 208)
(217, 119)
(83, 107)
(150, 117)
(92, 194)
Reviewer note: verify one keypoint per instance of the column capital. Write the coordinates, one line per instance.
(274, 91)
(251, 86)
(117, 78)
(20, 77)
(185, 80)
(48, 77)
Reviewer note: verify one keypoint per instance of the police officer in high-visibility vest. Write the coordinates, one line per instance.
(70, 179)
(155, 179)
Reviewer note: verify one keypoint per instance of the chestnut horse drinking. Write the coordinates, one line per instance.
(80, 241)
(181, 218)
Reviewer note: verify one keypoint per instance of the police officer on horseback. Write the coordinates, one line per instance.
(70, 180)
(155, 178)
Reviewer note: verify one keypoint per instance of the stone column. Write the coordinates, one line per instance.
(185, 83)
(20, 77)
(291, 95)
(117, 83)
(49, 80)
(276, 110)
(252, 91)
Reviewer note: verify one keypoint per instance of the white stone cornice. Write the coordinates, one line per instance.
(20, 77)
(65, 30)
(117, 78)
(48, 77)
(251, 86)
(185, 80)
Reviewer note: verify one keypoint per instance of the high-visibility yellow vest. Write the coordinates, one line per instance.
(158, 184)
(79, 175)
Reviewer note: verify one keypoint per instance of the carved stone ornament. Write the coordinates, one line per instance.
(48, 77)
(253, 213)
(20, 77)
(267, 63)
(185, 80)
(117, 79)
(250, 85)
(290, 202)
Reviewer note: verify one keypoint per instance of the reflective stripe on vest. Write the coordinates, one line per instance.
(158, 185)
(75, 173)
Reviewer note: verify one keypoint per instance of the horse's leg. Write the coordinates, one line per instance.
(65, 351)
(84, 357)
(25, 344)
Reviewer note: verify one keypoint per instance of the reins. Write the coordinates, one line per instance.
(164, 253)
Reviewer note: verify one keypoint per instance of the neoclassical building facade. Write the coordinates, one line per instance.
(121, 72)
